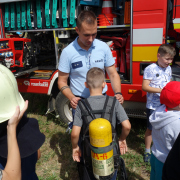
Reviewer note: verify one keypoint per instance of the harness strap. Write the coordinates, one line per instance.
(109, 108)
(98, 111)
(122, 169)
(93, 111)
(105, 105)
(101, 150)
(112, 108)
(83, 111)
(88, 107)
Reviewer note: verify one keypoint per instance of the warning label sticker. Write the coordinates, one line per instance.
(103, 167)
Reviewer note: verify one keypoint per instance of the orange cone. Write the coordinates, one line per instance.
(106, 17)
(107, 7)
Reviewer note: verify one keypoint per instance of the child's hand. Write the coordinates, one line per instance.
(76, 154)
(123, 147)
(14, 120)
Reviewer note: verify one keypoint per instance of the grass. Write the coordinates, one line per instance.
(56, 162)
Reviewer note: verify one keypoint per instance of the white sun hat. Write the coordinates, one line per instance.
(9, 94)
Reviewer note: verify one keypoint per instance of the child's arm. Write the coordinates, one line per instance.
(126, 127)
(39, 154)
(147, 88)
(76, 152)
(13, 167)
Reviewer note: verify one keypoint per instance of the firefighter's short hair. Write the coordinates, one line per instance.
(165, 49)
(86, 16)
(95, 78)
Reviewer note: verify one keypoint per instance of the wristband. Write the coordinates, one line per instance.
(118, 93)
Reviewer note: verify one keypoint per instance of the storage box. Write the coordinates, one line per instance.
(91, 2)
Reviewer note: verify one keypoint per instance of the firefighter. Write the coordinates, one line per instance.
(81, 55)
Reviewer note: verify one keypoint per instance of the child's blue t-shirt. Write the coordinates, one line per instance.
(158, 77)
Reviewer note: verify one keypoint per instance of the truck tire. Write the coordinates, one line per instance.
(63, 108)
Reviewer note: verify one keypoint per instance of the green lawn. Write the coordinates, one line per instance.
(56, 162)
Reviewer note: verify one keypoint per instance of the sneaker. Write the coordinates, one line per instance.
(69, 129)
(147, 157)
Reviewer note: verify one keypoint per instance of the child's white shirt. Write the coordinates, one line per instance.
(158, 77)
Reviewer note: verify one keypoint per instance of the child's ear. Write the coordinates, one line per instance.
(158, 55)
(103, 85)
(85, 83)
(77, 29)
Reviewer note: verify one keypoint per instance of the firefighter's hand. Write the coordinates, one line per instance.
(76, 154)
(123, 147)
(120, 98)
(74, 102)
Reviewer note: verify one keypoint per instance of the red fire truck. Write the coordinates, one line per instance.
(134, 29)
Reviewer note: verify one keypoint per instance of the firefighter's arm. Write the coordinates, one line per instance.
(147, 88)
(115, 82)
(64, 88)
(126, 127)
(76, 152)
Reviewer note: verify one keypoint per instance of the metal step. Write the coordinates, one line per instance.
(136, 113)
(25, 72)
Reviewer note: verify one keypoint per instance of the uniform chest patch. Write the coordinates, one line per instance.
(77, 64)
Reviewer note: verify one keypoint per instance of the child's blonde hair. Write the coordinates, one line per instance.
(95, 78)
(165, 49)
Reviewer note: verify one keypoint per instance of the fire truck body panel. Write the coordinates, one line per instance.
(40, 86)
(176, 15)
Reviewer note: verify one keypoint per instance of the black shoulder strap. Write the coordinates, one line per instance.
(112, 108)
(109, 108)
(123, 172)
(88, 107)
(105, 104)
(87, 116)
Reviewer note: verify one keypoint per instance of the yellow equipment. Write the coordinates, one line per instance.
(100, 133)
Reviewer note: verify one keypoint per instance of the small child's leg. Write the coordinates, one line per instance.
(148, 137)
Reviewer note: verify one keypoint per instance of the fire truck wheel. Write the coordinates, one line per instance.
(63, 108)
